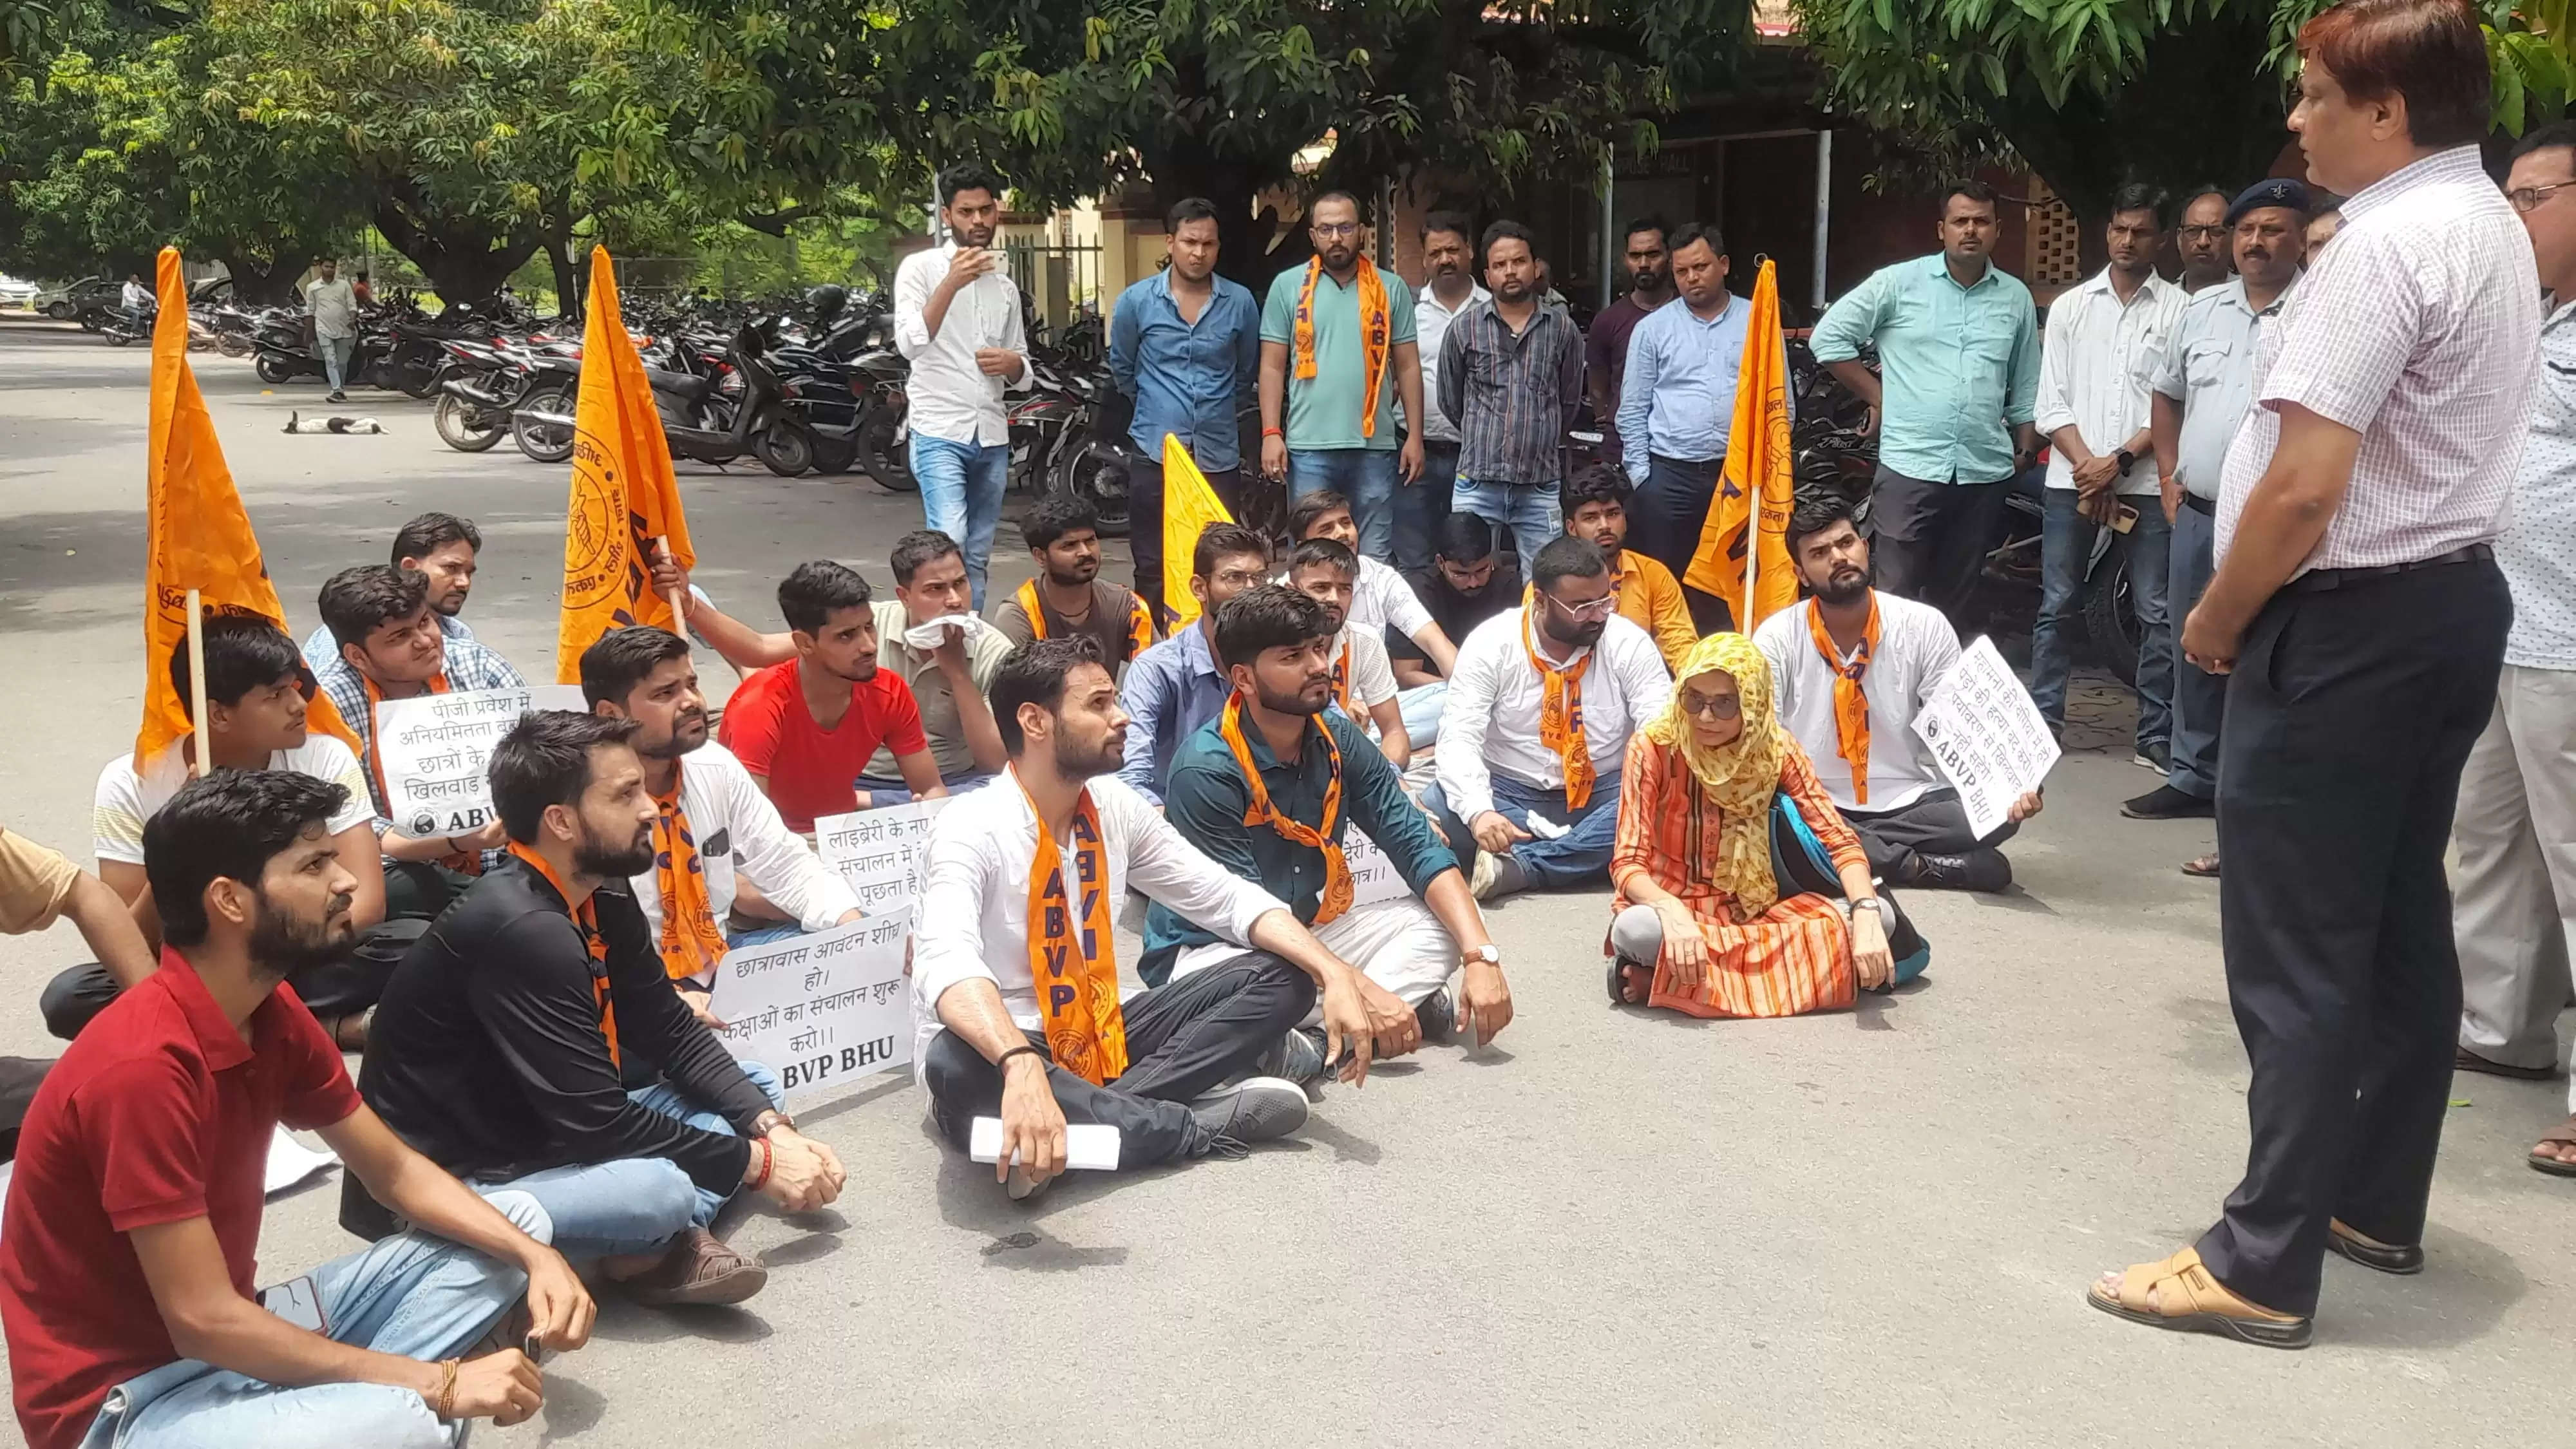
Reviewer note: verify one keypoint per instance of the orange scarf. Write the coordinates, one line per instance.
(691, 942)
(1374, 335)
(1342, 682)
(1560, 715)
(1851, 702)
(1337, 870)
(463, 862)
(1076, 974)
(1140, 620)
(586, 920)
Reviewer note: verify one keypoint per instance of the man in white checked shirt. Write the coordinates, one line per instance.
(2360, 612)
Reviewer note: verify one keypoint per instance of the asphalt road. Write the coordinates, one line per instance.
(1609, 1228)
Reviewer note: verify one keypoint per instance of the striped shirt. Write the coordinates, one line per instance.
(1511, 394)
(2418, 329)
(2538, 551)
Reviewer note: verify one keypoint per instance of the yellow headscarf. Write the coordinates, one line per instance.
(1740, 778)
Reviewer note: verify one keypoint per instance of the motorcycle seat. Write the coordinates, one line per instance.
(686, 386)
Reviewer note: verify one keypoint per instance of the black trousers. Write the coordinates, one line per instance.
(2349, 715)
(1182, 1040)
(1665, 518)
(1927, 538)
(1935, 823)
(1145, 521)
(342, 988)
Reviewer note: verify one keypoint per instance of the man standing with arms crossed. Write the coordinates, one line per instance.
(957, 320)
(1449, 287)
(1677, 400)
(1511, 373)
(1605, 347)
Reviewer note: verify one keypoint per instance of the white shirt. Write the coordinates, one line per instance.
(974, 918)
(733, 822)
(1489, 723)
(126, 799)
(1372, 677)
(1380, 597)
(950, 397)
(2100, 357)
(2537, 550)
(335, 308)
(1430, 324)
(2416, 329)
(1916, 646)
(136, 297)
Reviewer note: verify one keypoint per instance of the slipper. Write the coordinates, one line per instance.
(2562, 1135)
(2203, 866)
(2465, 1060)
(2196, 1302)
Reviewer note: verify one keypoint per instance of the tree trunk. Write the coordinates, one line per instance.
(465, 260)
(258, 283)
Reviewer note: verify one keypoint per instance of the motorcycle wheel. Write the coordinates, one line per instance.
(2111, 615)
(785, 449)
(273, 369)
(835, 456)
(117, 338)
(1079, 475)
(543, 442)
(232, 344)
(881, 459)
(413, 381)
(61, 311)
(463, 426)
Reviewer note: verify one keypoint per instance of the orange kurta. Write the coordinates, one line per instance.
(1793, 958)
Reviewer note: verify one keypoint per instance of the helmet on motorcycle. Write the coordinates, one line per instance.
(827, 301)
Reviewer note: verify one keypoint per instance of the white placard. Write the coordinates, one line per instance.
(820, 1009)
(878, 852)
(1374, 877)
(434, 748)
(1986, 736)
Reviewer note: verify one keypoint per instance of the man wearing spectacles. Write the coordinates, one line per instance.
(1175, 686)
(1536, 728)
(2202, 239)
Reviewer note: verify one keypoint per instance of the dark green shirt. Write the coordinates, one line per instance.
(1207, 796)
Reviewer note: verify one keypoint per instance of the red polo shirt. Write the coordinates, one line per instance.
(812, 771)
(158, 1113)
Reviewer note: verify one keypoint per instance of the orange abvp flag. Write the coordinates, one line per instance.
(623, 495)
(1758, 485)
(196, 535)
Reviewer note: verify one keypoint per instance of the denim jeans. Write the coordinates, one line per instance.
(2199, 697)
(961, 496)
(2065, 549)
(1421, 706)
(335, 354)
(1579, 857)
(1365, 476)
(1530, 510)
(1422, 503)
(411, 1295)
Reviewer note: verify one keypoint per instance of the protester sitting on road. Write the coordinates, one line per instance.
(1271, 790)
(1003, 901)
(806, 729)
(1596, 507)
(1537, 722)
(506, 1038)
(1703, 923)
(255, 720)
(1850, 669)
(1175, 687)
(1380, 598)
(1069, 596)
(1468, 582)
(948, 676)
(132, 1234)
(1362, 683)
(386, 644)
(726, 870)
(37, 888)
(440, 545)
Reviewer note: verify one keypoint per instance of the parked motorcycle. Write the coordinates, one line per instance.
(1057, 444)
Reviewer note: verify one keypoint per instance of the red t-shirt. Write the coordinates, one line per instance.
(813, 772)
(158, 1113)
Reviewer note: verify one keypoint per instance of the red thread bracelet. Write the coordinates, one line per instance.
(768, 1160)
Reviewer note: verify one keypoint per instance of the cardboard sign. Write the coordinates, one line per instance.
(878, 852)
(1986, 736)
(820, 1009)
(434, 749)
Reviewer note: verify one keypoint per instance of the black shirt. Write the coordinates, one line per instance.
(1457, 614)
(486, 1052)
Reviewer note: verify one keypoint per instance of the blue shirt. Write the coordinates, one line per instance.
(1171, 690)
(1677, 397)
(1187, 379)
(2208, 367)
(1958, 366)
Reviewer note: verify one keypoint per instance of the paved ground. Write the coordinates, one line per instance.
(1612, 1228)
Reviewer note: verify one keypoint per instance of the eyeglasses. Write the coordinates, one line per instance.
(1712, 706)
(1339, 228)
(1598, 609)
(2528, 198)
(2205, 233)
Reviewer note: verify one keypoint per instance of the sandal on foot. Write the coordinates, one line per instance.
(2562, 1135)
(1619, 982)
(2203, 866)
(2382, 1257)
(2465, 1060)
(2196, 1302)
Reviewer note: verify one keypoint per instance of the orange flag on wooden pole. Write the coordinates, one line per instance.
(1190, 504)
(1744, 545)
(625, 502)
(197, 538)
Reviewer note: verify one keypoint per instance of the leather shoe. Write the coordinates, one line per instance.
(1982, 869)
(2167, 803)
(2401, 1259)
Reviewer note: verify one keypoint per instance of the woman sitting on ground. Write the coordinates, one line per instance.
(1701, 924)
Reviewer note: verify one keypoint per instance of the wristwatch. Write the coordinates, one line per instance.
(773, 1118)
(2127, 460)
(1487, 954)
(1874, 906)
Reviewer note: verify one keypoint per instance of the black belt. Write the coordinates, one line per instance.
(2198, 504)
(2320, 580)
(1705, 464)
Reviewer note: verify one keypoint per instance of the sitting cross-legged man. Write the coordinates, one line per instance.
(508, 1039)
(1016, 1004)
(1269, 791)
(1362, 683)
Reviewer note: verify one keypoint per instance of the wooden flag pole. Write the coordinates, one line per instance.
(679, 615)
(1752, 552)
(197, 680)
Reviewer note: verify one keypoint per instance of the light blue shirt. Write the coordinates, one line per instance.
(1171, 689)
(1187, 378)
(1677, 397)
(2208, 367)
(1958, 366)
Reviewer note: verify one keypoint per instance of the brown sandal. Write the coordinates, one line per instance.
(2562, 1135)
(2196, 1302)
(2203, 866)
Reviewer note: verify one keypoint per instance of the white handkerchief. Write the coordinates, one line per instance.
(926, 637)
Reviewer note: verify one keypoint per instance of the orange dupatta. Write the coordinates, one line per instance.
(1341, 690)
(1076, 975)
(1338, 889)
(691, 941)
(1140, 620)
(1560, 716)
(1851, 701)
(585, 918)
(1374, 334)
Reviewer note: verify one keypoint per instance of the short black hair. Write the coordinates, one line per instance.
(1189, 209)
(1567, 557)
(2139, 196)
(243, 652)
(1691, 232)
(1971, 188)
(624, 658)
(1508, 231)
(1316, 552)
(2548, 138)
(1056, 515)
(431, 532)
(1035, 674)
(1597, 483)
(1303, 513)
(1452, 222)
(1463, 538)
(921, 546)
(2206, 188)
(815, 590)
(1223, 541)
(545, 760)
(968, 176)
(1649, 222)
(357, 602)
(1814, 514)
(228, 824)
(1271, 616)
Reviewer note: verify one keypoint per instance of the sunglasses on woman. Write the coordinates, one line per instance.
(1712, 706)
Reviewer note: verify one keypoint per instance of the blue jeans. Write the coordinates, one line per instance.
(1421, 706)
(1365, 476)
(2065, 549)
(635, 1204)
(1579, 857)
(335, 354)
(1422, 503)
(1530, 510)
(2199, 697)
(411, 1295)
(961, 496)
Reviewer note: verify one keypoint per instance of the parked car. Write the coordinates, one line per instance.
(17, 294)
(82, 301)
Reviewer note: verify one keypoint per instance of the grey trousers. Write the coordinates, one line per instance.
(1637, 936)
(2513, 898)
(1935, 824)
(2199, 697)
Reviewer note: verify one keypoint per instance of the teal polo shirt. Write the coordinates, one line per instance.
(1958, 366)
(1324, 411)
